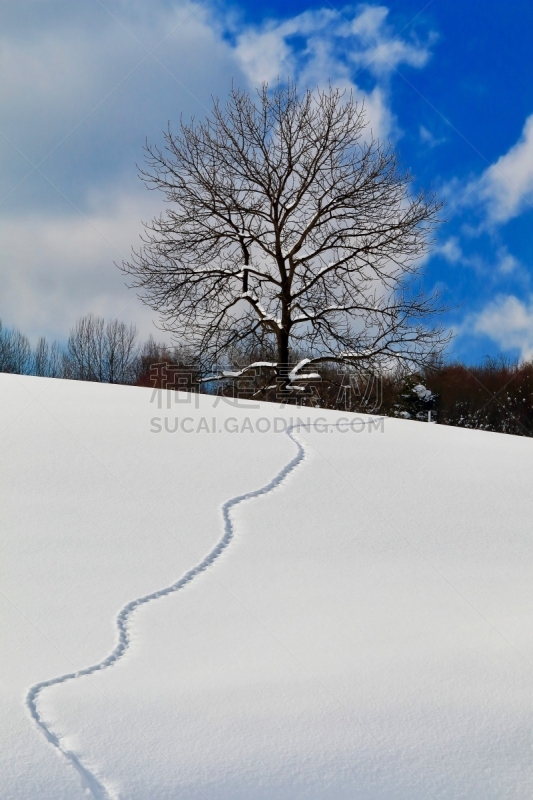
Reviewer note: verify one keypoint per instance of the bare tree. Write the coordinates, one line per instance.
(85, 349)
(164, 367)
(48, 360)
(120, 351)
(288, 223)
(15, 352)
(100, 352)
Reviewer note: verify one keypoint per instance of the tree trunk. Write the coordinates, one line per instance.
(283, 361)
(283, 349)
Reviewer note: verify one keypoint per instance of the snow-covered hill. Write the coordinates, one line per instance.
(344, 612)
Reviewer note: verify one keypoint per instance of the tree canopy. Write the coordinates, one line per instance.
(288, 224)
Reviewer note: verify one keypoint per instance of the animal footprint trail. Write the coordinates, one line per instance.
(90, 782)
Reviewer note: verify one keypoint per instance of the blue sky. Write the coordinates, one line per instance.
(83, 84)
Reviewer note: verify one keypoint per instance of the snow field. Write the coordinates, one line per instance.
(366, 633)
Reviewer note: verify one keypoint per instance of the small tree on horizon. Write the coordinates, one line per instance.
(288, 223)
(100, 351)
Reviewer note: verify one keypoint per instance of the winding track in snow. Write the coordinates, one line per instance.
(89, 779)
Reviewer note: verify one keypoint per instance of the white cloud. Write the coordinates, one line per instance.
(492, 271)
(327, 45)
(369, 21)
(506, 263)
(508, 321)
(426, 137)
(505, 189)
(95, 87)
(62, 266)
(77, 72)
(450, 250)
(335, 40)
(379, 48)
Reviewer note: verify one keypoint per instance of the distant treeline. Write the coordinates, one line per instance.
(494, 396)
(96, 350)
